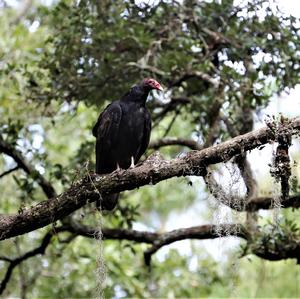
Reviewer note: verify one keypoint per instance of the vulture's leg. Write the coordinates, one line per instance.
(132, 162)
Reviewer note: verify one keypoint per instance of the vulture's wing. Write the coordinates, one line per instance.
(146, 135)
(106, 131)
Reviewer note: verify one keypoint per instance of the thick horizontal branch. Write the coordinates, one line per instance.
(241, 204)
(260, 203)
(197, 232)
(158, 240)
(152, 171)
(111, 233)
(201, 232)
(265, 203)
(290, 250)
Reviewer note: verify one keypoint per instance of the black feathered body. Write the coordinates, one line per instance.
(122, 131)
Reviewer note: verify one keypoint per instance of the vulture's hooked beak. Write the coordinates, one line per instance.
(159, 87)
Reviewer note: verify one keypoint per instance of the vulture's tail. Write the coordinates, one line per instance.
(108, 202)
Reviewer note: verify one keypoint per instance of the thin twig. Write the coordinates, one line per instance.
(9, 171)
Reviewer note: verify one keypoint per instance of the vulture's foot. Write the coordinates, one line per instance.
(132, 163)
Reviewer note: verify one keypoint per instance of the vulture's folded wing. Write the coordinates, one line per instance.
(146, 135)
(106, 131)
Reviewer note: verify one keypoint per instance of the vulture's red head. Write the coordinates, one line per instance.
(150, 84)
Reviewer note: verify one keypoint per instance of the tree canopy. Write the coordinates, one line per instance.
(221, 63)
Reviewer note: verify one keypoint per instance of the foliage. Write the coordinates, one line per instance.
(61, 64)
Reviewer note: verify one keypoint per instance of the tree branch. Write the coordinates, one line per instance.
(201, 232)
(15, 262)
(290, 250)
(260, 203)
(9, 150)
(197, 74)
(190, 143)
(5, 259)
(266, 203)
(111, 233)
(170, 106)
(9, 171)
(159, 240)
(149, 68)
(153, 170)
(196, 232)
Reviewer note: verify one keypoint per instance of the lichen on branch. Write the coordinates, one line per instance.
(153, 170)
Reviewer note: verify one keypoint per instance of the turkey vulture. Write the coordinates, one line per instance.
(122, 132)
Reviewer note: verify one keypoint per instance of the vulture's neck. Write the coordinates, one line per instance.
(137, 94)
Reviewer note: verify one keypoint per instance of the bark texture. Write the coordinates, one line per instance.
(153, 170)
